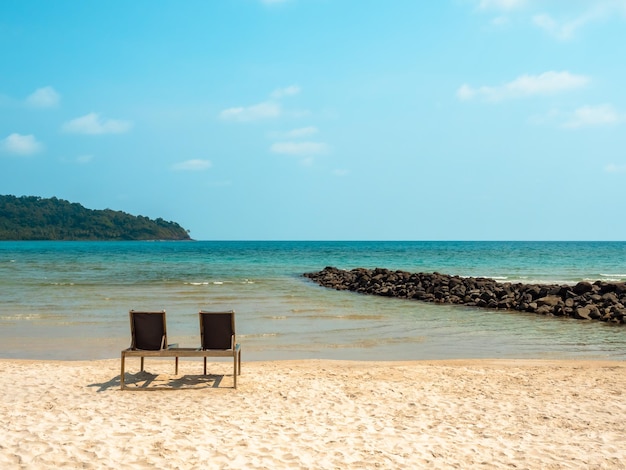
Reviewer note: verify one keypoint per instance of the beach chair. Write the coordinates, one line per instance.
(148, 333)
(218, 338)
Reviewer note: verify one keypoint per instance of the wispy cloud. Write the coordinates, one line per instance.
(46, 97)
(269, 109)
(298, 133)
(265, 110)
(547, 83)
(299, 148)
(613, 168)
(566, 29)
(503, 8)
(500, 4)
(339, 172)
(584, 116)
(291, 142)
(287, 91)
(93, 124)
(19, 144)
(193, 165)
(561, 31)
(562, 25)
(588, 116)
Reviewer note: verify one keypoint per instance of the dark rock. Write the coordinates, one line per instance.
(550, 300)
(598, 301)
(583, 312)
(582, 288)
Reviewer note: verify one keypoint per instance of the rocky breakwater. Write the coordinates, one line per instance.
(604, 301)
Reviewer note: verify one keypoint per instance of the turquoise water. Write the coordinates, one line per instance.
(70, 300)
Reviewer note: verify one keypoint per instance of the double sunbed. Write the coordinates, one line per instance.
(149, 339)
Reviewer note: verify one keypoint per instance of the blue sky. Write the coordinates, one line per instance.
(323, 119)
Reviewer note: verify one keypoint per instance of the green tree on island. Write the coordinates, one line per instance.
(36, 218)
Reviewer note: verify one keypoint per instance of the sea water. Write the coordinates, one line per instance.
(70, 300)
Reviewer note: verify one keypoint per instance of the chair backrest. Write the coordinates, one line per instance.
(148, 330)
(217, 330)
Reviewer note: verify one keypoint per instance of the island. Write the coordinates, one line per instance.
(37, 218)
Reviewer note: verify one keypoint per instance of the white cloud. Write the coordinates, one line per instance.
(613, 168)
(46, 97)
(547, 83)
(565, 30)
(466, 92)
(193, 165)
(572, 17)
(21, 144)
(270, 109)
(587, 116)
(265, 110)
(500, 4)
(340, 172)
(93, 124)
(299, 148)
(287, 91)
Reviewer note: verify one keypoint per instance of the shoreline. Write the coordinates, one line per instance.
(468, 413)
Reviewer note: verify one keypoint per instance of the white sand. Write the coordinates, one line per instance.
(315, 414)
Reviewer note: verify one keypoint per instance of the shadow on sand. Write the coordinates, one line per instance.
(150, 382)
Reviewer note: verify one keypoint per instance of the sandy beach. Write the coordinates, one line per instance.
(314, 414)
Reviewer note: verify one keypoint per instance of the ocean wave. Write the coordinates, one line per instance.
(27, 317)
(205, 283)
(495, 278)
(258, 335)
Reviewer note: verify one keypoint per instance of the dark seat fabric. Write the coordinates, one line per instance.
(149, 329)
(217, 330)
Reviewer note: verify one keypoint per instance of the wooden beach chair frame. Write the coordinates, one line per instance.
(218, 338)
(148, 331)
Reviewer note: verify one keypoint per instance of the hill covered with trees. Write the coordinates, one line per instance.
(36, 218)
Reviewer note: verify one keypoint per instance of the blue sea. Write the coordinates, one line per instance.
(70, 300)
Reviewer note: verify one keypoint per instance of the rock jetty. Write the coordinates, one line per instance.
(604, 301)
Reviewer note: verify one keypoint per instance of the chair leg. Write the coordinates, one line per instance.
(205, 365)
(235, 370)
(176, 368)
(239, 359)
(122, 373)
(141, 363)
